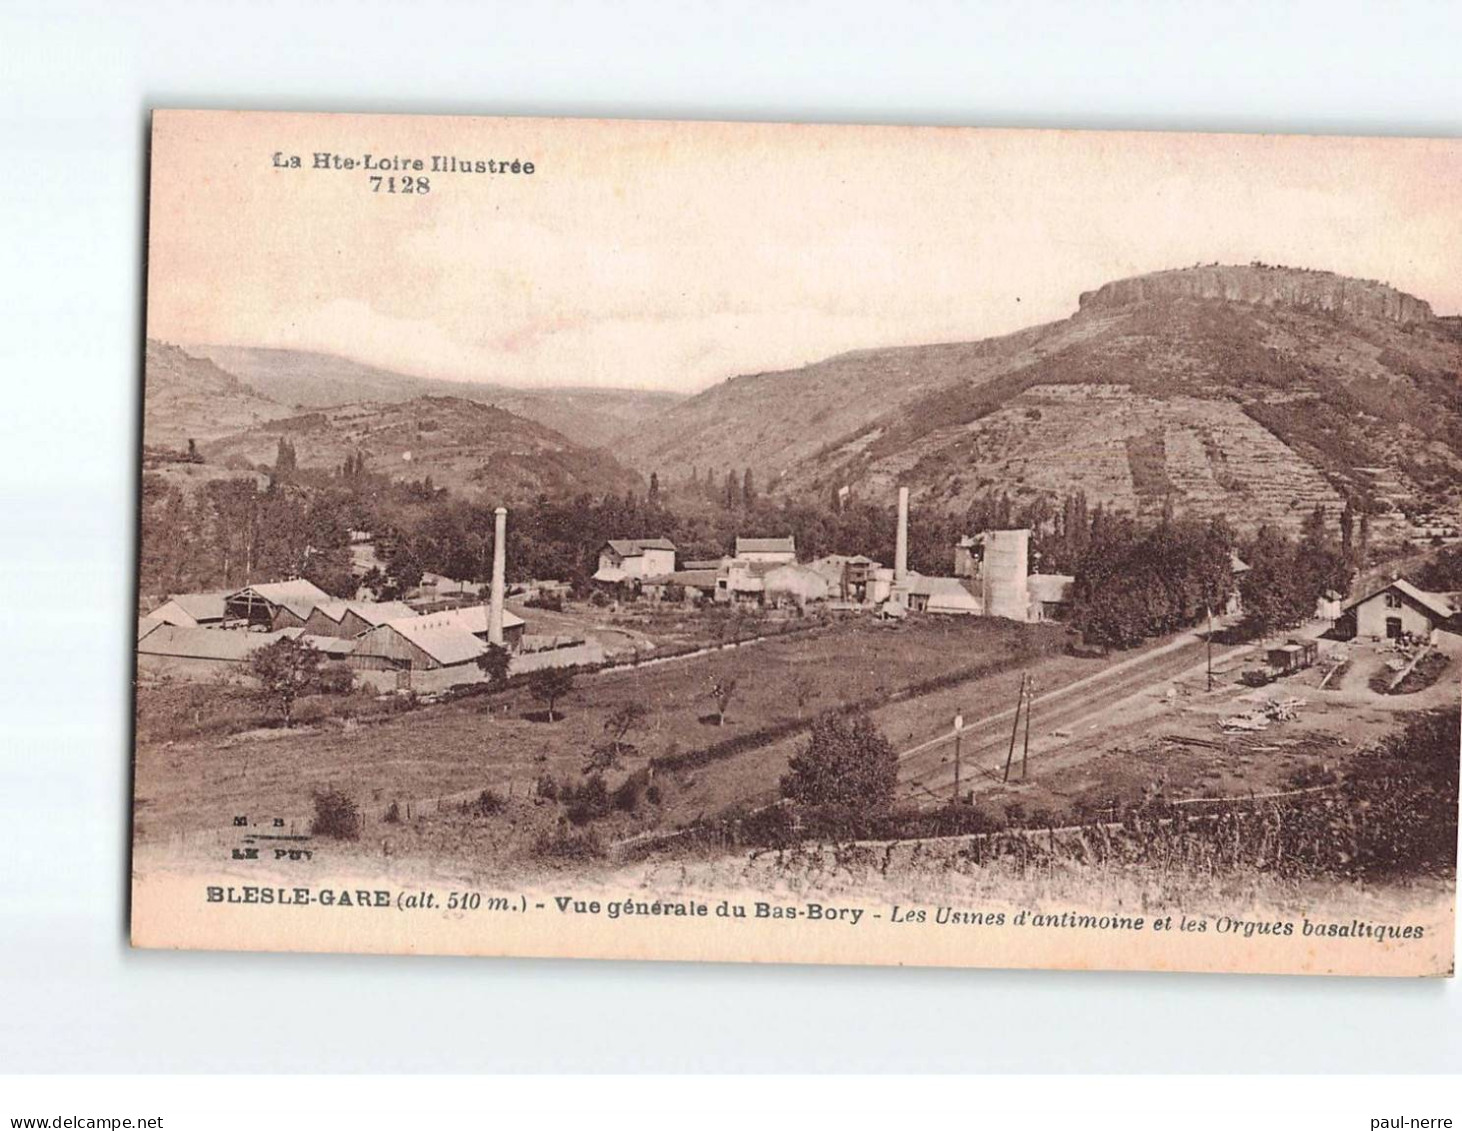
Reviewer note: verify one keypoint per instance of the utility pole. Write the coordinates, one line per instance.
(1210, 647)
(1015, 728)
(1030, 699)
(959, 725)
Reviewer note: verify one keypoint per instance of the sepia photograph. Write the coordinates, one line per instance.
(790, 543)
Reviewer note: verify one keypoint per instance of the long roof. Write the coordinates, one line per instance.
(201, 606)
(196, 643)
(937, 586)
(445, 640)
(1432, 602)
(633, 547)
(372, 612)
(766, 545)
(298, 596)
(1050, 587)
(474, 618)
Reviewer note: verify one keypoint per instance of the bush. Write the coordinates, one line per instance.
(335, 679)
(569, 844)
(547, 788)
(587, 803)
(393, 813)
(627, 797)
(847, 762)
(486, 803)
(336, 816)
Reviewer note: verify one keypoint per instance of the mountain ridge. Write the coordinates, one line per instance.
(309, 379)
(1252, 391)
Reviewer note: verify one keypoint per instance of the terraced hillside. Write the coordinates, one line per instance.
(1255, 391)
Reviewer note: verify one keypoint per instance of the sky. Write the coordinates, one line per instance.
(670, 256)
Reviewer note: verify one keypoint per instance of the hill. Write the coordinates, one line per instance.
(305, 379)
(477, 450)
(1254, 392)
(188, 397)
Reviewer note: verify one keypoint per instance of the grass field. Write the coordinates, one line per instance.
(203, 759)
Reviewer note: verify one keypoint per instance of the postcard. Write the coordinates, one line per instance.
(799, 543)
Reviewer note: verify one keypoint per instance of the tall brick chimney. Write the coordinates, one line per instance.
(901, 546)
(499, 578)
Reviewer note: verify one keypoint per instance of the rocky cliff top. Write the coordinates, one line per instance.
(1266, 286)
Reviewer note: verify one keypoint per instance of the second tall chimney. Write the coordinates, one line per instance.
(901, 546)
(499, 578)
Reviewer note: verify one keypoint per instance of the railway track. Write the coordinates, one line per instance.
(926, 770)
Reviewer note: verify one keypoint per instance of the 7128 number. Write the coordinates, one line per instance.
(401, 184)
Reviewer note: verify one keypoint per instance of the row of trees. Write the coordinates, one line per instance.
(1135, 582)
(562, 538)
(231, 531)
(1132, 583)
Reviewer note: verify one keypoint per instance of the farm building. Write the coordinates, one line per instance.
(194, 652)
(774, 551)
(848, 576)
(277, 604)
(699, 584)
(947, 595)
(417, 644)
(742, 582)
(189, 610)
(1050, 595)
(437, 640)
(793, 584)
(348, 619)
(968, 552)
(474, 619)
(635, 559)
(1398, 609)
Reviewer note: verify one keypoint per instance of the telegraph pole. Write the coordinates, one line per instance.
(1030, 699)
(1015, 728)
(1210, 647)
(959, 725)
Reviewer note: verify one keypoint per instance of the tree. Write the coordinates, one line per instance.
(846, 762)
(721, 690)
(494, 665)
(618, 726)
(549, 685)
(804, 690)
(654, 496)
(748, 490)
(285, 460)
(287, 669)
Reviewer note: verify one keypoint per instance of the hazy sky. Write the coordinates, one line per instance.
(673, 255)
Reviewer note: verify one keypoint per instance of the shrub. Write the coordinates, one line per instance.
(486, 803)
(569, 844)
(587, 803)
(627, 797)
(547, 788)
(336, 815)
(846, 762)
(393, 813)
(286, 669)
(335, 679)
